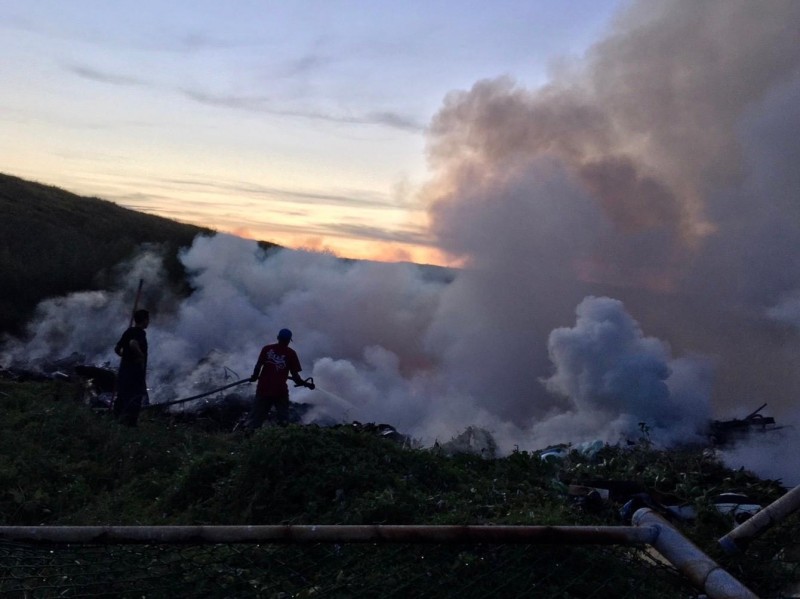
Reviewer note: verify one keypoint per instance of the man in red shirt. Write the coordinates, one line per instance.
(276, 363)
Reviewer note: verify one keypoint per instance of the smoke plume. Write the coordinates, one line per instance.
(657, 170)
(617, 377)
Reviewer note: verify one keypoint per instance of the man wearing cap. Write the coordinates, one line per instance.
(276, 363)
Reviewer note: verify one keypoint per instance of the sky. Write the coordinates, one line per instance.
(624, 208)
(302, 123)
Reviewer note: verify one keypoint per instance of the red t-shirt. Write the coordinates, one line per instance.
(276, 362)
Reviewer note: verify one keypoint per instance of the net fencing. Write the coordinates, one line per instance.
(279, 562)
(335, 570)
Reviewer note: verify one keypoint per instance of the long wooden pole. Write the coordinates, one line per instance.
(130, 324)
(136, 301)
(568, 535)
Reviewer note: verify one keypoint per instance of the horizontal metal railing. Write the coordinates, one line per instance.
(649, 529)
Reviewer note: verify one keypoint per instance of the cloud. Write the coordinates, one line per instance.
(99, 76)
(415, 237)
(358, 199)
(307, 64)
(267, 105)
(196, 41)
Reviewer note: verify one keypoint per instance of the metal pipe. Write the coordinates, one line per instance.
(737, 539)
(701, 570)
(566, 535)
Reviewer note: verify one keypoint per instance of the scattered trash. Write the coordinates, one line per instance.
(590, 449)
(554, 453)
(385, 431)
(737, 505)
(724, 432)
(473, 440)
(590, 499)
(684, 512)
(24, 375)
(640, 500)
(561, 451)
(63, 364)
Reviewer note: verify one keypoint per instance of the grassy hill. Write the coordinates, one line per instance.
(62, 463)
(54, 242)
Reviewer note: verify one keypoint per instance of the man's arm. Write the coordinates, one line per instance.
(298, 380)
(256, 372)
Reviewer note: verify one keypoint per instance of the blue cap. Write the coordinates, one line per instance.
(285, 334)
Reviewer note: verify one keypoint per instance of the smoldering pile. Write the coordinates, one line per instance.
(214, 410)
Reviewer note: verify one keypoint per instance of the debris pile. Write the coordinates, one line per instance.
(727, 432)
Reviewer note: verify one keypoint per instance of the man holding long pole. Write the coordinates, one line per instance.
(131, 376)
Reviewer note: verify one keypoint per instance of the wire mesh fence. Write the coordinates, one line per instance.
(335, 570)
(563, 562)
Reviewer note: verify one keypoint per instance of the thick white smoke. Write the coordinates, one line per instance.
(613, 375)
(82, 322)
(787, 310)
(658, 170)
(380, 341)
(769, 455)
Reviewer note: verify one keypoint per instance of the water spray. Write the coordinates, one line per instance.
(339, 400)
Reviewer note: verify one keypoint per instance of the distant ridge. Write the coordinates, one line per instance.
(54, 242)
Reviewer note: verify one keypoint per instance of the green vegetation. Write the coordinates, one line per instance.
(53, 242)
(62, 463)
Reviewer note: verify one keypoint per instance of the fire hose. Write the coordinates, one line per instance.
(198, 396)
(309, 382)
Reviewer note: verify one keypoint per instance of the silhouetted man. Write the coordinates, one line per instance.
(131, 383)
(276, 363)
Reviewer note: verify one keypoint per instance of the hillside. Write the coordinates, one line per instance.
(62, 463)
(54, 242)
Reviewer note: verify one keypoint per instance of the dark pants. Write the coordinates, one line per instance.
(127, 406)
(262, 406)
(131, 392)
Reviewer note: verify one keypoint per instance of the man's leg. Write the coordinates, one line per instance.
(282, 410)
(257, 413)
(134, 407)
(116, 406)
(127, 407)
